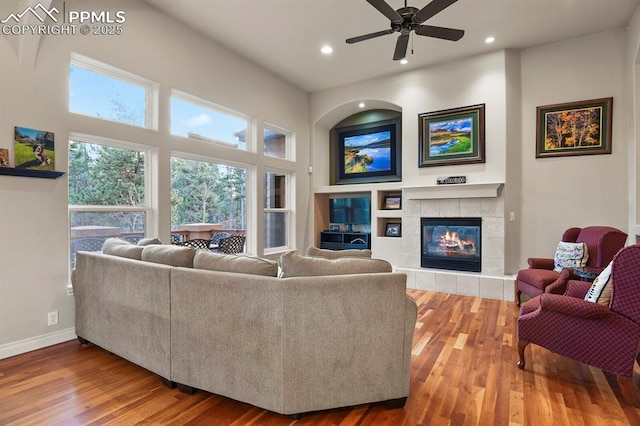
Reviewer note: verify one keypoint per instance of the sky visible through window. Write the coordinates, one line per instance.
(97, 95)
(187, 117)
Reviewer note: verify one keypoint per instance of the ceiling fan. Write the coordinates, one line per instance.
(407, 19)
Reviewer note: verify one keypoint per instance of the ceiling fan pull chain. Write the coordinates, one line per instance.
(411, 39)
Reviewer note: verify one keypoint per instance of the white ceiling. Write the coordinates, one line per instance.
(285, 36)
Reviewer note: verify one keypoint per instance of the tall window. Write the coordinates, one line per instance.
(102, 91)
(277, 142)
(208, 193)
(196, 118)
(277, 213)
(108, 192)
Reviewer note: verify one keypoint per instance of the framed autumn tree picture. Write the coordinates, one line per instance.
(574, 128)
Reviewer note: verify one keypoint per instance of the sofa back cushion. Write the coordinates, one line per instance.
(122, 248)
(294, 265)
(149, 241)
(337, 254)
(169, 255)
(235, 263)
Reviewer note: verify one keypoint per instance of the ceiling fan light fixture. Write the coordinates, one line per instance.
(326, 49)
(404, 61)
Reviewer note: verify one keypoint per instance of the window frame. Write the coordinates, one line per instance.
(147, 208)
(249, 187)
(289, 141)
(289, 200)
(220, 109)
(150, 87)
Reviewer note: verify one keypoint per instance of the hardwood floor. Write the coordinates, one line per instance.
(463, 372)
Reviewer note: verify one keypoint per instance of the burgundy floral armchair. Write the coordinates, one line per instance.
(603, 243)
(603, 336)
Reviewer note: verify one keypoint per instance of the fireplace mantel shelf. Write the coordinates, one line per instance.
(465, 190)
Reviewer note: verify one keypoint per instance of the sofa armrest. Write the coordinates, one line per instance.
(410, 318)
(540, 263)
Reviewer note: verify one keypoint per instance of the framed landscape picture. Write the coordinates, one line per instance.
(368, 152)
(392, 202)
(452, 136)
(34, 149)
(393, 230)
(574, 128)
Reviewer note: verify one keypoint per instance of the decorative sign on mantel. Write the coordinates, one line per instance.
(449, 180)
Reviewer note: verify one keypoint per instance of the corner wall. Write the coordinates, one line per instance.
(34, 91)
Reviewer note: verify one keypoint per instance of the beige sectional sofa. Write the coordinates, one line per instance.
(325, 334)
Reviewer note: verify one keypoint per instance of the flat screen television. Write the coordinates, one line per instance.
(354, 211)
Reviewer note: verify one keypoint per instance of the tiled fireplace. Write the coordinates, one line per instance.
(455, 206)
(452, 243)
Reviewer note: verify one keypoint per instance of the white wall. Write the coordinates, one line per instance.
(547, 195)
(561, 192)
(34, 93)
(471, 81)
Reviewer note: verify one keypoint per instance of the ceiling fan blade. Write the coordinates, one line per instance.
(368, 36)
(401, 47)
(432, 9)
(384, 8)
(439, 32)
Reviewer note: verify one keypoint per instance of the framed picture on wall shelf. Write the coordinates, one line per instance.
(574, 128)
(4, 157)
(392, 202)
(452, 136)
(33, 149)
(393, 230)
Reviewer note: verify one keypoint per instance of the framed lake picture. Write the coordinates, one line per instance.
(452, 136)
(368, 152)
(574, 128)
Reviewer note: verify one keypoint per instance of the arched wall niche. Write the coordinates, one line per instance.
(340, 114)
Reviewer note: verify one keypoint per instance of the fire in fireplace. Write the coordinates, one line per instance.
(451, 243)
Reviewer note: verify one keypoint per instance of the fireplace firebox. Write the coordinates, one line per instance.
(451, 243)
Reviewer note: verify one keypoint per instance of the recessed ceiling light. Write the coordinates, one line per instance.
(404, 61)
(489, 39)
(361, 105)
(326, 49)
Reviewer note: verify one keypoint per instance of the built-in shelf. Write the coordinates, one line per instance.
(44, 174)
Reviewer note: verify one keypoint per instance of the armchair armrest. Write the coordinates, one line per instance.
(577, 289)
(559, 286)
(573, 307)
(540, 263)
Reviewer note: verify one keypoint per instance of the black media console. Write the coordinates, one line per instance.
(345, 240)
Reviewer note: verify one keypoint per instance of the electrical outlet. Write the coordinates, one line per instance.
(52, 318)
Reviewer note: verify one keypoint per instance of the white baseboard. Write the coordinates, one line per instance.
(38, 342)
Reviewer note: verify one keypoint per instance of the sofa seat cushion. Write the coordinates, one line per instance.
(295, 265)
(235, 263)
(169, 255)
(122, 248)
(337, 254)
(538, 278)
